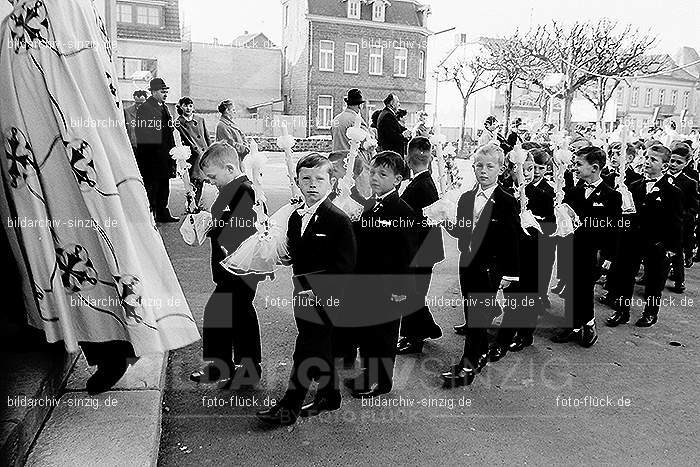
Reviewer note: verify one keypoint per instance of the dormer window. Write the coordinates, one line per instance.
(378, 10)
(354, 9)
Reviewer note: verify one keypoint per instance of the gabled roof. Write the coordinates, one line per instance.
(669, 64)
(405, 13)
(256, 40)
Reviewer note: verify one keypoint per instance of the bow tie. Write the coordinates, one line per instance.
(589, 185)
(304, 211)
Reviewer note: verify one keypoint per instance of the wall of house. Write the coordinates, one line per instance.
(295, 38)
(212, 73)
(169, 56)
(410, 89)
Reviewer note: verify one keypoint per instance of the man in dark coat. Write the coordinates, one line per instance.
(391, 135)
(154, 136)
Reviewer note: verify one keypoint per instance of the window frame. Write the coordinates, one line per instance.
(358, 9)
(120, 13)
(322, 53)
(379, 11)
(649, 97)
(662, 96)
(421, 64)
(120, 64)
(381, 60)
(329, 109)
(398, 60)
(149, 9)
(357, 58)
(635, 97)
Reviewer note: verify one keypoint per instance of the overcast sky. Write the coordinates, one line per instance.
(674, 21)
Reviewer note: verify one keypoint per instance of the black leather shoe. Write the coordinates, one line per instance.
(589, 335)
(408, 345)
(278, 415)
(678, 287)
(559, 288)
(318, 406)
(167, 219)
(497, 352)
(565, 335)
(520, 343)
(458, 376)
(106, 376)
(617, 318)
(209, 374)
(646, 320)
(461, 329)
(374, 390)
(241, 377)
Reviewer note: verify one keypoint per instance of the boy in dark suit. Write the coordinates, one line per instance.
(322, 252)
(386, 246)
(536, 261)
(421, 192)
(230, 319)
(599, 208)
(680, 156)
(487, 232)
(655, 236)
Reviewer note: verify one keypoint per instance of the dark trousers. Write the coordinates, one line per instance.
(656, 267)
(578, 302)
(378, 351)
(520, 316)
(564, 255)
(158, 191)
(479, 293)
(230, 321)
(106, 353)
(419, 322)
(678, 265)
(546, 249)
(313, 356)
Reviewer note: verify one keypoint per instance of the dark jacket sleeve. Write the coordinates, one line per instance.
(673, 227)
(509, 251)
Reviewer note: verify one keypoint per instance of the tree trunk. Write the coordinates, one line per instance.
(463, 129)
(508, 105)
(568, 100)
(544, 107)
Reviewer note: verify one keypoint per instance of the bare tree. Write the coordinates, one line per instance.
(469, 76)
(513, 66)
(619, 52)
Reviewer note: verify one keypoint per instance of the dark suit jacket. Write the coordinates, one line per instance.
(325, 255)
(386, 245)
(541, 201)
(154, 136)
(389, 137)
(233, 221)
(689, 191)
(600, 215)
(493, 240)
(658, 219)
(420, 193)
(609, 177)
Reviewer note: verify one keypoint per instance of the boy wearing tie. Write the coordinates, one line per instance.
(230, 319)
(599, 208)
(386, 246)
(419, 324)
(322, 252)
(655, 236)
(487, 232)
(680, 156)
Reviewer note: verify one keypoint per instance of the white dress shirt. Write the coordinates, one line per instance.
(307, 213)
(591, 187)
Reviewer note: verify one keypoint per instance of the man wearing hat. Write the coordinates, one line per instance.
(154, 137)
(391, 135)
(346, 119)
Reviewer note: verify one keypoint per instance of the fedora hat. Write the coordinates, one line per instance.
(354, 97)
(157, 84)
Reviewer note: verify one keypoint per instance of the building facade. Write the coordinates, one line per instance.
(648, 102)
(249, 74)
(149, 45)
(329, 47)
